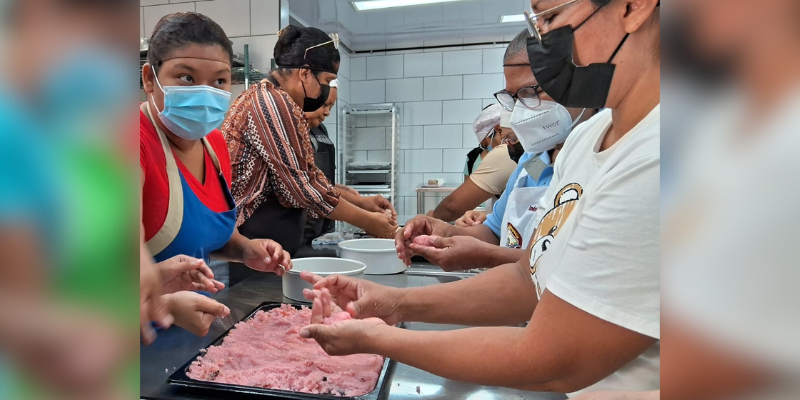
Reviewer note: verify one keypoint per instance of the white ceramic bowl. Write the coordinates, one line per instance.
(293, 284)
(379, 255)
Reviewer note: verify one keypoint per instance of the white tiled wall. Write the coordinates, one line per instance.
(439, 92)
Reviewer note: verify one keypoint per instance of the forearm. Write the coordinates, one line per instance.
(461, 355)
(503, 255)
(233, 250)
(350, 213)
(466, 197)
(447, 210)
(351, 197)
(477, 299)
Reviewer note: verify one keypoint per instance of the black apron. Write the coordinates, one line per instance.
(325, 159)
(271, 220)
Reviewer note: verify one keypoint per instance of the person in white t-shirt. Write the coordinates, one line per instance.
(593, 303)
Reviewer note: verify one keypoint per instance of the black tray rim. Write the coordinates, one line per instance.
(179, 377)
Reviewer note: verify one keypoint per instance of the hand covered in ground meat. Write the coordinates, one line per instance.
(187, 273)
(323, 309)
(419, 225)
(452, 253)
(352, 336)
(194, 312)
(359, 297)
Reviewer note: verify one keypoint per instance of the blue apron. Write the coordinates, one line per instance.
(190, 227)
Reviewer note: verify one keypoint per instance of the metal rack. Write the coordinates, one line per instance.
(242, 71)
(345, 156)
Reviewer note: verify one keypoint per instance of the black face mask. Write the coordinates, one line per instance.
(516, 151)
(313, 104)
(569, 85)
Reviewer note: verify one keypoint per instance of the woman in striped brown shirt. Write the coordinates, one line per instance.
(276, 184)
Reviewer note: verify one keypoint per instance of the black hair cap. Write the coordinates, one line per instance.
(292, 44)
(184, 28)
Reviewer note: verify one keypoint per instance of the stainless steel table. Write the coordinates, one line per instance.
(175, 346)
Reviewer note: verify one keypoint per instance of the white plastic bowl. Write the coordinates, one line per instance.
(293, 284)
(379, 255)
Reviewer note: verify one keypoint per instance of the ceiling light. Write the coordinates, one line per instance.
(512, 18)
(380, 4)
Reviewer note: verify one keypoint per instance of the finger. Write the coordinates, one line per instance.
(310, 277)
(431, 253)
(147, 333)
(309, 294)
(439, 242)
(313, 331)
(331, 281)
(213, 307)
(218, 285)
(354, 308)
(316, 311)
(277, 250)
(159, 312)
(189, 264)
(260, 253)
(326, 302)
(202, 279)
(287, 261)
(279, 270)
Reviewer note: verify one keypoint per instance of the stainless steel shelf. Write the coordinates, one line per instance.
(369, 171)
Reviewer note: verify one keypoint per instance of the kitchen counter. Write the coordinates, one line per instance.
(175, 346)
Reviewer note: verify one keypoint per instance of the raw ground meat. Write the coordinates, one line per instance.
(267, 351)
(423, 240)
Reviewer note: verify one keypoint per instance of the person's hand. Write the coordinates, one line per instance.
(266, 255)
(360, 298)
(379, 204)
(419, 225)
(195, 312)
(453, 253)
(323, 309)
(471, 218)
(380, 225)
(151, 308)
(344, 337)
(187, 273)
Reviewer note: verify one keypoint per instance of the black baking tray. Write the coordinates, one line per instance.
(180, 378)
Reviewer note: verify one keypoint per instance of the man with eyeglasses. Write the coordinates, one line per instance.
(503, 236)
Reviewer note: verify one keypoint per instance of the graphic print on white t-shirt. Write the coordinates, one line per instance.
(565, 201)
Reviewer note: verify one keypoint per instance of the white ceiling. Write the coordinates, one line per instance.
(460, 22)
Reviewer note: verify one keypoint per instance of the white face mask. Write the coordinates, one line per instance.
(541, 129)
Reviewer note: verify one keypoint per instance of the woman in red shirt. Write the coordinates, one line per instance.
(187, 208)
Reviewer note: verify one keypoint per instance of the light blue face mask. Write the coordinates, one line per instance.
(192, 112)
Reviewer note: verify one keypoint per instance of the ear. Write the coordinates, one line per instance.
(148, 78)
(303, 73)
(637, 12)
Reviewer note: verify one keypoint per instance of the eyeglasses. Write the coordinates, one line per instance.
(334, 40)
(528, 96)
(532, 19)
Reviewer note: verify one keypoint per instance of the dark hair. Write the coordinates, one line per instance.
(601, 3)
(517, 48)
(292, 44)
(180, 29)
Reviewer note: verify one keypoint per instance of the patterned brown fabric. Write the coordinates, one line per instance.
(271, 153)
